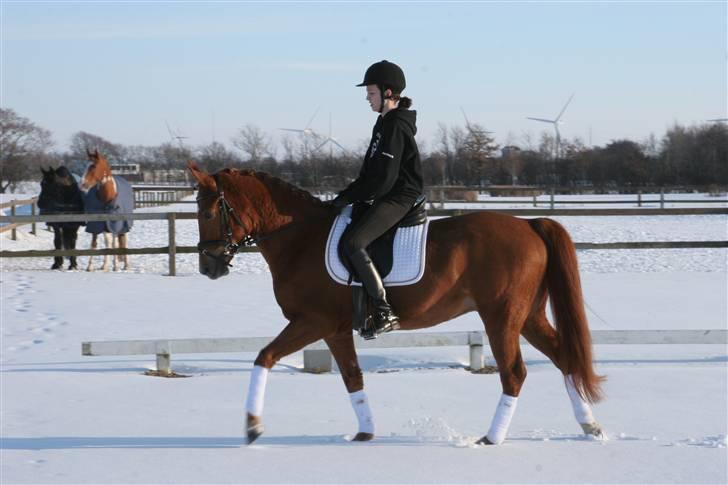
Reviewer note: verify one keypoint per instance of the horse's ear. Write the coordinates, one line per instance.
(96, 152)
(202, 177)
(88, 152)
(43, 171)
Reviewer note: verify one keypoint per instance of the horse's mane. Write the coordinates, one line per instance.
(65, 174)
(273, 181)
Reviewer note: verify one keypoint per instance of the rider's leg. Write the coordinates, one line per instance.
(375, 222)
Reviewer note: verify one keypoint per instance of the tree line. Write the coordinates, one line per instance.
(685, 156)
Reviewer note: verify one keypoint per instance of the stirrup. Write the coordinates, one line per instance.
(384, 321)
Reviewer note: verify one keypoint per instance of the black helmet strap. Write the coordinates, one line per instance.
(382, 89)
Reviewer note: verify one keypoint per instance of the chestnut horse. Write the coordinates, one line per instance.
(502, 267)
(111, 194)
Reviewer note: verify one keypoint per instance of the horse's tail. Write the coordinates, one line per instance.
(567, 306)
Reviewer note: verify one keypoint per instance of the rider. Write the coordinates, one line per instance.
(390, 178)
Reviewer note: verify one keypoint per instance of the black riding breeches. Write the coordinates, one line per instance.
(376, 221)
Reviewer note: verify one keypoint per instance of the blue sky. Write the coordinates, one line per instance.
(123, 69)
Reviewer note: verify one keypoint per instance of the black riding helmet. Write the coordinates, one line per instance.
(386, 75)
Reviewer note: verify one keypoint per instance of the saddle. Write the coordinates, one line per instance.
(381, 253)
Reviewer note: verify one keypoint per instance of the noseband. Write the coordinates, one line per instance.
(229, 245)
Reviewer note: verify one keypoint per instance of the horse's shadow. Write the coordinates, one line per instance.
(162, 442)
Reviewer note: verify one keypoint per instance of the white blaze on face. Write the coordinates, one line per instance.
(84, 184)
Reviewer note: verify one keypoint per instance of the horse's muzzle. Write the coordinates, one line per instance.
(212, 268)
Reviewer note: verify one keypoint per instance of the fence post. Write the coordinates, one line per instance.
(13, 233)
(172, 244)
(535, 203)
(639, 198)
(33, 212)
(475, 343)
(164, 364)
(317, 361)
(552, 198)
(662, 197)
(442, 198)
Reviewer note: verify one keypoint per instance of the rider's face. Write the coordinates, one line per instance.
(374, 97)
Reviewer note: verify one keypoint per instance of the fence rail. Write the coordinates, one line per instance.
(172, 249)
(317, 358)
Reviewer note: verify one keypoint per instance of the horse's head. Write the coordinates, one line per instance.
(222, 230)
(97, 171)
(56, 186)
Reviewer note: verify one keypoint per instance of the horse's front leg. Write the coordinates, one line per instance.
(70, 235)
(294, 337)
(123, 244)
(58, 244)
(94, 245)
(343, 349)
(108, 242)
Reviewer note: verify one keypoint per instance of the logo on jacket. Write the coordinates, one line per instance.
(375, 144)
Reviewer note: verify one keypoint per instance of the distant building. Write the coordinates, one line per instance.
(130, 171)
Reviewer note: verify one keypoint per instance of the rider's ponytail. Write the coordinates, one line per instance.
(404, 102)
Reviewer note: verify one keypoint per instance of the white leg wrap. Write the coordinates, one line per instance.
(360, 403)
(256, 391)
(582, 410)
(502, 419)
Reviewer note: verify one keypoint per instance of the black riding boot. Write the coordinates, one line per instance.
(383, 318)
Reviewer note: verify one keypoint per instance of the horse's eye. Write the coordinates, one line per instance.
(207, 215)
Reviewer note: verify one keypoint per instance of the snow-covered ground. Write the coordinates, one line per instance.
(73, 419)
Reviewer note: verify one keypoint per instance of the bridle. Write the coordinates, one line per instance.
(229, 245)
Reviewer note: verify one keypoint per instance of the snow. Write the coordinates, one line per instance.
(73, 419)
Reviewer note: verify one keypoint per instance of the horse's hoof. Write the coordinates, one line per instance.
(484, 441)
(363, 437)
(593, 429)
(56, 267)
(254, 433)
(255, 428)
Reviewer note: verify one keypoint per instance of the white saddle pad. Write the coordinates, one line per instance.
(408, 263)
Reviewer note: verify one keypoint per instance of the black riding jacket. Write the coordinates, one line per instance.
(392, 169)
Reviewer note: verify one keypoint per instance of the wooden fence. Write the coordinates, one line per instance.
(172, 249)
(14, 204)
(317, 358)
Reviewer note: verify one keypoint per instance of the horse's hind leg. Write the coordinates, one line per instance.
(503, 329)
(344, 352)
(539, 333)
(58, 244)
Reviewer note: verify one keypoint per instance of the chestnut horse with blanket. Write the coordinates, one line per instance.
(502, 267)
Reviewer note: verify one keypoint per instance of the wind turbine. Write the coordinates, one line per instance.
(331, 140)
(175, 135)
(556, 123)
(307, 130)
(470, 127)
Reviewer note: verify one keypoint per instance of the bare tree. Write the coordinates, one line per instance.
(23, 146)
(82, 141)
(479, 149)
(253, 142)
(289, 148)
(216, 156)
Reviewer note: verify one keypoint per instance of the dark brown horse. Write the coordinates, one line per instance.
(502, 267)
